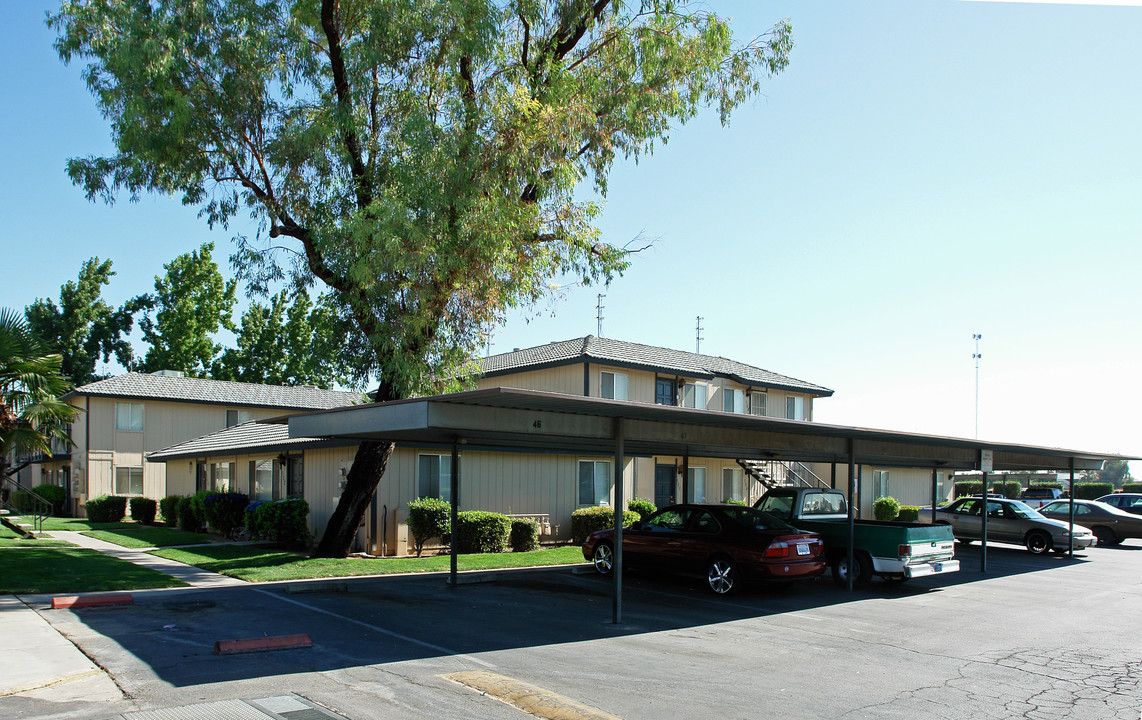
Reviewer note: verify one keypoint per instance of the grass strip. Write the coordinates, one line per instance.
(145, 536)
(262, 565)
(55, 570)
(83, 524)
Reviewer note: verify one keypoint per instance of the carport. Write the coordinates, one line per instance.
(522, 420)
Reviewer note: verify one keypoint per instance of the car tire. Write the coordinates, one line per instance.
(1038, 542)
(1106, 536)
(603, 558)
(721, 576)
(862, 572)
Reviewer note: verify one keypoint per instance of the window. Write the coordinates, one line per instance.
(665, 392)
(262, 479)
(757, 403)
(434, 476)
(694, 395)
(697, 477)
(880, 484)
(295, 478)
(732, 486)
(795, 408)
(128, 416)
(237, 417)
(613, 386)
(222, 476)
(129, 481)
(595, 482)
(733, 400)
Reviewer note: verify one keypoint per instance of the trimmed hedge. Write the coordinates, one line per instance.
(225, 511)
(478, 531)
(1010, 489)
(1132, 487)
(1092, 490)
(886, 508)
(428, 518)
(1047, 484)
(524, 535)
(106, 508)
(909, 513)
(585, 521)
(968, 487)
(186, 518)
(168, 507)
(283, 521)
(642, 506)
(143, 510)
(54, 494)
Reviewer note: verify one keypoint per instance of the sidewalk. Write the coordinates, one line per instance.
(189, 574)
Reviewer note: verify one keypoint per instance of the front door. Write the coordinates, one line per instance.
(664, 485)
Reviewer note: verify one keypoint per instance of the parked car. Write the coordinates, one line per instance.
(725, 544)
(1130, 502)
(1109, 524)
(1037, 497)
(1010, 521)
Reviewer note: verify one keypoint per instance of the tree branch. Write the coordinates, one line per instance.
(330, 10)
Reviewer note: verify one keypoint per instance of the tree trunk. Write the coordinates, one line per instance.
(360, 484)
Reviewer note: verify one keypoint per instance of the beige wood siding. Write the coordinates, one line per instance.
(566, 379)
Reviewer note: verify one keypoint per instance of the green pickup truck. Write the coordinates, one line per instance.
(895, 551)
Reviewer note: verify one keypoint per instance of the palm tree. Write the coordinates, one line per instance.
(31, 413)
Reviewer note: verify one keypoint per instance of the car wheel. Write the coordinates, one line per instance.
(1038, 542)
(603, 558)
(721, 576)
(1105, 536)
(862, 569)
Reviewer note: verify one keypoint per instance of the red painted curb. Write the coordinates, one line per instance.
(76, 601)
(249, 645)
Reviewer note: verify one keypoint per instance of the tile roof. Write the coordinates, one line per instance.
(650, 357)
(222, 392)
(249, 436)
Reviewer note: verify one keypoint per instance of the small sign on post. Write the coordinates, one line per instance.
(986, 461)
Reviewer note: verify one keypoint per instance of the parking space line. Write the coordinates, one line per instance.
(381, 630)
(528, 698)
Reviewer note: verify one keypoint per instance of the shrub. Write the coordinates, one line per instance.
(1047, 484)
(1008, 489)
(428, 518)
(909, 513)
(225, 511)
(186, 519)
(731, 501)
(642, 506)
(106, 508)
(968, 487)
(524, 535)
(143, 510)
(1132, 487)
(477, 531)
(55, 494)
(198, 506)
(283, 521)
(1092, 490)
(585, 521)
(168, 507)
(886, 508)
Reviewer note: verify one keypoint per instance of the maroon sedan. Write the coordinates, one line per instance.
(726, 544)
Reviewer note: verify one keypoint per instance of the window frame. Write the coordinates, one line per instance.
(238, 416)
(753, 401)
(131, 472)
(443, 482)
(692, 483)
(735, 398)
(693, 391)
(794, 407)
(608, 484)
(736, 478)
(881, 484)
(131, 420)
(615, 385)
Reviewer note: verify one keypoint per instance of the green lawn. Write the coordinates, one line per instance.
(260, 565)
(145, 536)
(83, 524)
(62, 570)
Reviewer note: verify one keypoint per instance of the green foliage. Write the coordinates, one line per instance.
(225, 511)
(478, 531)
(106, 508)
(1047, 484)
(1115, 472)
(191, 303)
(187, 520)
(886, 508)
(1008, 488)
(427, 518)
(168, 507)
(54, 494)
(908, 513)
(968, 487)
(83, 328)
(1092, 490)
(143, 510)
(284, 521)
(585, 521)
(524, 535)
(1132, 487)
(732, 501)
(642, 506)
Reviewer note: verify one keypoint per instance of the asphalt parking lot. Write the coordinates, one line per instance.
(1036, 637)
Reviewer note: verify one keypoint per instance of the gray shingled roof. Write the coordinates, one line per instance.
(222, 392)
(649, 357)
(248, 437)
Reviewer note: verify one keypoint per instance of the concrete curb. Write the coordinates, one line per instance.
(81, 601)
(262, 644)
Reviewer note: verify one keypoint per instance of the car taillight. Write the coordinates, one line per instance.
(777, 550)
(905, 550)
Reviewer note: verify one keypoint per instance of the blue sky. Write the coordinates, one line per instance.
(923, 171)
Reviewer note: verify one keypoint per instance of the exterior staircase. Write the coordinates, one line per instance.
(782, 473)
(15, 519)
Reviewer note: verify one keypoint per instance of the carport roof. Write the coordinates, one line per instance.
(515, 419)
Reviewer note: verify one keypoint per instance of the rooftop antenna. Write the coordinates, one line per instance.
(599, 313)
(976, 356)
(698, 335)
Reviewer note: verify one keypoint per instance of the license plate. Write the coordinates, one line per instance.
(938, 566)
(802, 548)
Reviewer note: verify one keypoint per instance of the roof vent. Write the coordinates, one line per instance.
(170, 373)
(515, 349)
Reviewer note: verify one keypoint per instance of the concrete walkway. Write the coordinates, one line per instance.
(189, 574)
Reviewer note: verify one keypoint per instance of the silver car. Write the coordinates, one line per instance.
(1011, 521)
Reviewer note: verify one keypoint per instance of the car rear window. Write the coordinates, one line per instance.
(753, 519)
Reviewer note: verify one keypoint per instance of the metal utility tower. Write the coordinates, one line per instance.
(599, 312)
(976, 356)
(698, 335)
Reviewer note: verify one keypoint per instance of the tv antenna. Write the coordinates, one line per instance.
(976, 356)
(698, 334)
(599, 312)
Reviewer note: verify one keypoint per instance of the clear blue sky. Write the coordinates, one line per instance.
(923, 171)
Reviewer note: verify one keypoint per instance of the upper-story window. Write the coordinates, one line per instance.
(128, 416)
(757, 403)
(613, 386)
(665, 391)
(795, 408)
(733, 400)
(694, 395)
(237, 417)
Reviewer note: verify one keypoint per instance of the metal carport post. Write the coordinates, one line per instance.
(617, 568)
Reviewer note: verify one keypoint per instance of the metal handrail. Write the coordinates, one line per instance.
(43, 508)
(817, 481)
